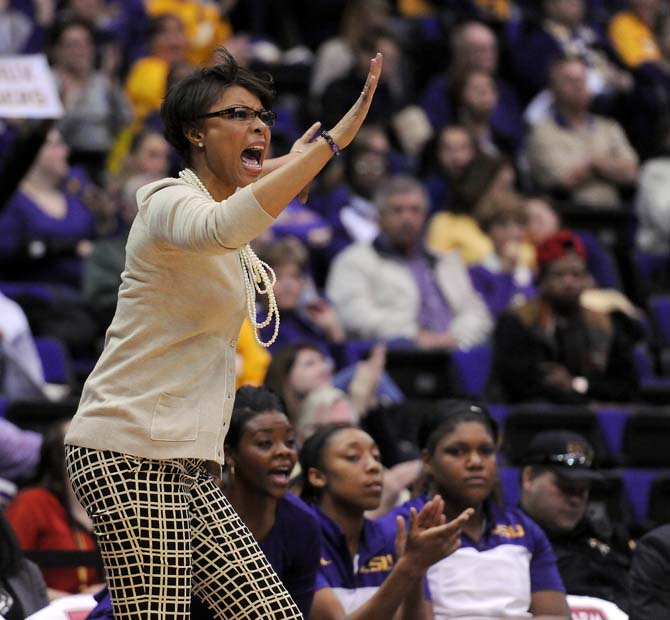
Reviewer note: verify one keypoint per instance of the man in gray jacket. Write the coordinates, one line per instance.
(394, 289)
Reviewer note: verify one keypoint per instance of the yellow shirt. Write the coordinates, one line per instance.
(633, 40)
(447, 232)
(415, 8)
(252, 358)
(204, 27)
(146, 85)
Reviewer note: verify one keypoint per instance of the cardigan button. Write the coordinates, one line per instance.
(233, 344)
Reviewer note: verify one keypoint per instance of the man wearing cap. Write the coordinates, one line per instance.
(552, 348)
(556, 479)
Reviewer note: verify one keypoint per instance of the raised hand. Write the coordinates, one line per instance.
(345, 130)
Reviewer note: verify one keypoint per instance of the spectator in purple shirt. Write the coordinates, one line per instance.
(476, 97)
(474, 46)
(365, 574)
(260, 455)
(445, 161)
(44, 230)
(504, 566)
(504, 276)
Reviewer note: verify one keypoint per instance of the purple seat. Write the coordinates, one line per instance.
(659, 306)
(55, 360)
(27, 289)
(472, 369)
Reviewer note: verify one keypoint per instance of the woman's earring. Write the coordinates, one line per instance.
(232, 472)
(200, 145)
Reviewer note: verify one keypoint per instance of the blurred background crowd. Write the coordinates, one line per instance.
(499, 230)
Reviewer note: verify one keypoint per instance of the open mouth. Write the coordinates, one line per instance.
(280, 475)
(252, 157)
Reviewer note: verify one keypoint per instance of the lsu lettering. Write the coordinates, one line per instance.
(509, 531)
(325, 562)
(378, 564)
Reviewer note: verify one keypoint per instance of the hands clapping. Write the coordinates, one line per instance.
(428, 539)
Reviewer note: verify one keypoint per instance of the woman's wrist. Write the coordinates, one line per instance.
(408, 566)
(330, 141)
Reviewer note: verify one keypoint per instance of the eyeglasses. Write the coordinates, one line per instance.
(244, 114)
(570, 459)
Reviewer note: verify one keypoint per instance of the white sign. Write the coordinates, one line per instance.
(27, 88)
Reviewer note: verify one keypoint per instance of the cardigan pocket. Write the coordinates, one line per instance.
(175, 418)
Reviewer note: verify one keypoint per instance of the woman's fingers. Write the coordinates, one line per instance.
(300, 144)
(373, 77)
(453, 527)
(345, 130)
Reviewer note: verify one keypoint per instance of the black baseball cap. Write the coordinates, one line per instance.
(567, 453)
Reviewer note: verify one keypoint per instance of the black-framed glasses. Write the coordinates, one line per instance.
(244, 114)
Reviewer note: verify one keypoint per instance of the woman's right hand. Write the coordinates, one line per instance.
(347, 128)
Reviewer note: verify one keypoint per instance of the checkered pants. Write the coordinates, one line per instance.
(165, 530)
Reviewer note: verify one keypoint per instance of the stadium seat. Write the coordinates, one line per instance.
(38, 415)
(612, 421)
(509, 484)
(644, 362)
(55, 360)
(421, 374)
(659, 306)
(525, 421)
(637, 482)
(658, 511)
(471, 370)
(608, 496)
(646, 439)
(18, 290)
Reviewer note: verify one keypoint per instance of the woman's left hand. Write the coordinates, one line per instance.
(428, 538)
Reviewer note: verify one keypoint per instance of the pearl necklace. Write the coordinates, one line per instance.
(259, 277)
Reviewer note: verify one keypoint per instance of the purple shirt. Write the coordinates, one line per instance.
(494, 576)
(24, 226)
(434, 313)
(355, 580)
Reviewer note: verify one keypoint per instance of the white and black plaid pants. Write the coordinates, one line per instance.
(166, 531)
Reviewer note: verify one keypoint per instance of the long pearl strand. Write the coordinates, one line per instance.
(259, 277)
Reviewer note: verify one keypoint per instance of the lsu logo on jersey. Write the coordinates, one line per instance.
(378, 564)
(509, 531)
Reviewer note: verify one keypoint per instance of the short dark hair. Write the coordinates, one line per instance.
(250, 401)
(57, 31)
(447, 415)
(194, 95)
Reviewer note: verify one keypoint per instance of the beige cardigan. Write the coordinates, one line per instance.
(165, 383)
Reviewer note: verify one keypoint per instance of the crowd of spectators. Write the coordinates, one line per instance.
(508, 195)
